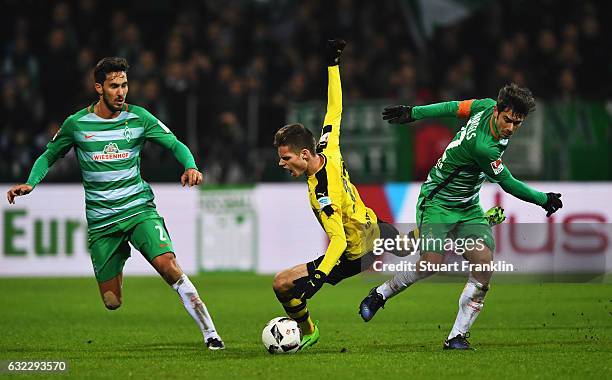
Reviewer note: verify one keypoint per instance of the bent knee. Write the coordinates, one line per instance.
(167, 266)
(281, 283)
(111, 301)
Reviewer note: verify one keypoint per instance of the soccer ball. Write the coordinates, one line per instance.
(281, 336)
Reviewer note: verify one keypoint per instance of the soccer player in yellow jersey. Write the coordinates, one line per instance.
(349, 224)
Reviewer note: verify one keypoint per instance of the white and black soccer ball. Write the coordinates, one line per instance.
(281, 336)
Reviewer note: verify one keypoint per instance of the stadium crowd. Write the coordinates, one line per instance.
(224, 54)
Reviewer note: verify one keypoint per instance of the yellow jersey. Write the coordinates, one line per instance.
(349, 224)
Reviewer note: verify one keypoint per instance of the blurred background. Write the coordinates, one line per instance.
(225, 75)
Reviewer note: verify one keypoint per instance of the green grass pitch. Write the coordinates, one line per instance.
(544, 330)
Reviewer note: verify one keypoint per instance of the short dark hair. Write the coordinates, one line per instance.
(109, 65)
(296, 137)
(516, 98)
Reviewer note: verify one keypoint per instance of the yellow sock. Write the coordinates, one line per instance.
(296, 309)
(307, 326)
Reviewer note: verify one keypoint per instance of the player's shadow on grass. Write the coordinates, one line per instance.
(433, 347)
(238, 351)
(534, 344)
(547, 327)
(173, 346)
(136, 351)
(400, 347)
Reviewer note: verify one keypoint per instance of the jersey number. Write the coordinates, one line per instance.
(452, 144)
(161, 233)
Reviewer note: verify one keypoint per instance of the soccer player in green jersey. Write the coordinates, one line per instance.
(448, 204)
(107, 137)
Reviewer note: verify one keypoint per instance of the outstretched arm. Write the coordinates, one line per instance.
(56, 148)
(330, 134)
(498, 172)
(331, 216)
(519, 189)
(38, 172)
(550, 202)
(461, 109)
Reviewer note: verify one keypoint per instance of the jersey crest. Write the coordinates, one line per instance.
(497, 166)
(127, 133)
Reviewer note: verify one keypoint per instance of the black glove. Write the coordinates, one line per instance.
(553, 203)
(333, 51)
(306, 287)
(398, 114)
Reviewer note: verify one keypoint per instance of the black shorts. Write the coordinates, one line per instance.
(346, 268)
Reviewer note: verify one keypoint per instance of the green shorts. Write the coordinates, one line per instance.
(444, 228)
(109, 246)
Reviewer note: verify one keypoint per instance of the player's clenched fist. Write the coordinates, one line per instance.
(16, 191)
(191, 177)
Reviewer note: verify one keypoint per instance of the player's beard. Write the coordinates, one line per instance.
(110, 105)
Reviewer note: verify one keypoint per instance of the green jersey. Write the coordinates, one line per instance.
(108, 151)
(472, 156)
